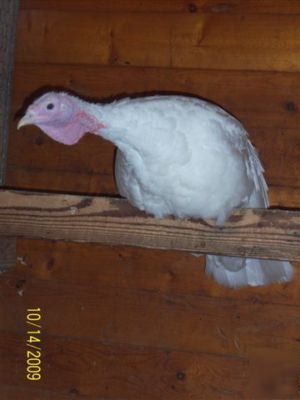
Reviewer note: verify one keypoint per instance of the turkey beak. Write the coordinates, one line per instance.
(26, 120)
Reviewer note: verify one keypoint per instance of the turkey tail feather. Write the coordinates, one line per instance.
(250, 271)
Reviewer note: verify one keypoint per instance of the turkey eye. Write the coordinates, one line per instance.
(50, 106)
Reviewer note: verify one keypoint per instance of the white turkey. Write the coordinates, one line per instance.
(177, 156)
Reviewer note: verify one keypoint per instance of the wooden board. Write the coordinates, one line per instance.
(198, 347)
(171, 6)
(189, 323)
(258, 99)
(271, 234)
(202, 40)
(110, 371)
(102, 371)
(20, 392)
(120, 267)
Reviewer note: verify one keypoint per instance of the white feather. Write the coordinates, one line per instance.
(186, 157)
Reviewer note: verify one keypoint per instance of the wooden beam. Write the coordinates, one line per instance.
(273, 234)
(8, 18)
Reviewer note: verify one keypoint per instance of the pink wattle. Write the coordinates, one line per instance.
(71, 132)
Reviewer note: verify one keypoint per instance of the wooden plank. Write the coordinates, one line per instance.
(7, 253)
(25, 392)
(132, 6)
(254, 233)
(202, 40)
(104, 371)
(270, 113)
(284, 197)
(195, 6)
(102, 183)
(250, 96)
(115, 328)
(70, 181)
(114, 6)
(189, 323)
(159, 271)
(8, 18)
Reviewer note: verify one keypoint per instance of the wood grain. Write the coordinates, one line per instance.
(189, 323)
(104, 371)
(205, 348)
(270, 113)
(8, 20)
(168, 272)
(203, 40)
(259, 99)
(273, 234)
(171, 6)
(123, 322)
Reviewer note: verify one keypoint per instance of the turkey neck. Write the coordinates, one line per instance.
(136, 137)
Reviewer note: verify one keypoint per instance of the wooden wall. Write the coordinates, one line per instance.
(126, 323)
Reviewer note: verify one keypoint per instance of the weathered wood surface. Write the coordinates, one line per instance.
(270, 113)
(8, 18)
(254, 233)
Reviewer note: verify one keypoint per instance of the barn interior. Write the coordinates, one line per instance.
(125, 322)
